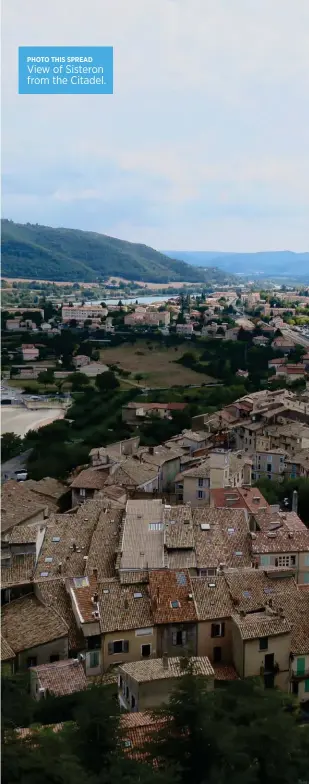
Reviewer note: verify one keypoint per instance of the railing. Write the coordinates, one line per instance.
(298, 676)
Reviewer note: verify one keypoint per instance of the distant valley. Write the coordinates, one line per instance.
(263, 263)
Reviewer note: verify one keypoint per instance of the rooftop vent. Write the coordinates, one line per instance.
(211, 585)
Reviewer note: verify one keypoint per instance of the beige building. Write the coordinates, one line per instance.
(214, 609)
(262, 646)
(81, 313)
(220, 469)
(268, 464)
(147, 685)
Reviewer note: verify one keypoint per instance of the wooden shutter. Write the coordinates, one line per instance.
(126, 646)
(222, 629)
(110, 648)
(174, 638)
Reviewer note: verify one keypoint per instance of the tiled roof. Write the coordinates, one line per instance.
(130, 577)
(212, 597)
(225, 672)
(153, 669)
(66, 542)
(133, 473)
(226, 541)
(7, 652)
(194, 435)
(20, 504)
(166, 588)
(180, 559)
(281, 540)
(199, 471)
(138, 729)
(251, 589)
(90, 479)
(260, 624)
(82, 590)
(20, 570)
(27, 623)
(160, 454)
(252, 498)
(61, 677)
(22, 534)
(142, 542)
(178, 528)
(122, 608)
(47, 487)
(54, 594)
(104, 542)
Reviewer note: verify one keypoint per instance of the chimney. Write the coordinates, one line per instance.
(126, 604)
(295, 501)
(60, 567)
(95, 598)
(151, 450)
(95, 572)
(165, 661)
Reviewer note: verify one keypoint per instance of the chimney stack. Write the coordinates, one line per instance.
(126, 604)
(95, 572)
(295, 501)
(165, 661)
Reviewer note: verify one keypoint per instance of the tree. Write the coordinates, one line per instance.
(107, 380)
(46, 377)
(11, 445)
(78, 380)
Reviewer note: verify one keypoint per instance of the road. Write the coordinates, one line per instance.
(8, 469)
(297, 337)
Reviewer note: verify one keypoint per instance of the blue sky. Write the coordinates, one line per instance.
(204, 144)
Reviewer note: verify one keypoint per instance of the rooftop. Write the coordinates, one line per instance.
(221, 537)
(260, 624)
(90, 479)
(7, 652)
(154, 669)
(20, 504)
(143, 535)
(53, 594)
(133, 473)
(178, 528)
(27, 623)
(124, 607)
(19, 569)
(212, 597)
(104, 542)
(249, 498)
(171, 596)
(61, 677)
(66, 543)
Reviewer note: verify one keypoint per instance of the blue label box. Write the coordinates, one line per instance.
(65, 70)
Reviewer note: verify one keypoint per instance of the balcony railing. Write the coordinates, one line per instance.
(298, 676)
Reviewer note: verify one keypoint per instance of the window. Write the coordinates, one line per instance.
(269, 468)
(54, 657)
(155, 526)
(132, 702)
(94, 642)
(263, 643)
(200, 482)
(118, 646)
(32, 661)
(146, 650)
(286, 560)
(175, 605)
(201, 494)
(94, 659)
(82, 492)
(179, 637)
(217, 629)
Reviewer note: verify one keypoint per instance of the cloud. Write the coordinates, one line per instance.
(204, 143)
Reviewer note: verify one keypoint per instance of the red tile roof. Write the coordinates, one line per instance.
(61, 677)
(167, 588)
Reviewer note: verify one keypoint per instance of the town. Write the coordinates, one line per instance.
(185, 538)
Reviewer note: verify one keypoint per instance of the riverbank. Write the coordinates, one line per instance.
(18, 420)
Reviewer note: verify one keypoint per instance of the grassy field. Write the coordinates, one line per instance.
(158, 366)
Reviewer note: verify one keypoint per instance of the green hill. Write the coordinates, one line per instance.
(41, 252)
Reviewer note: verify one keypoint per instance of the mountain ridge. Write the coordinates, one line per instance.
(259, 262)
(38, 252)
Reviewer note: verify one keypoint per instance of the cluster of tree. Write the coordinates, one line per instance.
(282, 493)
(239, 734)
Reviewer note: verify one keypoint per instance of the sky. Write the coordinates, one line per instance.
(204, 144)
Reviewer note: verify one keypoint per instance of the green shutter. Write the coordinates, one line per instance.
(307, 685)
(301, 663)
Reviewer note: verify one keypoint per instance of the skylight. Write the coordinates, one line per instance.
(155, 526)
(181, 578)
(138, 595)
(231, 530)
(238, 552)
(48, 559)
(44, 574)
(56, 539)
(268, 590)
(81, 582)
(247, 594)
(175, 604)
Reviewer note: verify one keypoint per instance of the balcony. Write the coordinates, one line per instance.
(299, 676)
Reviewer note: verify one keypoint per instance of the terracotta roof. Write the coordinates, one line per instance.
(153, 669)
(90, 479)
(201, 470)
(20, 570)
(138, 729)
(251, 589)
(54, 594)
(27, 623)
(225, 672)
(104, 542)
(7, 652)
(281, 540)
(167, 588)
(66, 542)
(122, 607)
(61, 677)
(212, 597)
(135, 576)
(260, 624)
(252, 498)
(143, 537)
(20, 504)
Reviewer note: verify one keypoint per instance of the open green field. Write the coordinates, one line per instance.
(158, 366)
